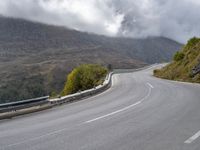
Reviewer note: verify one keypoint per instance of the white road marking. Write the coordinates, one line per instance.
(150, 85)
(193, 138)
(123, 109)
(89, 121)
(115, 112)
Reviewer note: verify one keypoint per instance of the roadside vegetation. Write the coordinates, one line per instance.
(23, 88)
(185, 65)
(84, 77)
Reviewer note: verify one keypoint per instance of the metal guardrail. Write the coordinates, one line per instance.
(83, 94)
(41, 101)
(107, 83)
(13, 106)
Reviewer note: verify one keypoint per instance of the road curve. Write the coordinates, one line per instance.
(139, 112)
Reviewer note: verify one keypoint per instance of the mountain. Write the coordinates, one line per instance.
(186, 64)
(35, 58)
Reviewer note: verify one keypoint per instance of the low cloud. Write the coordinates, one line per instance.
(178, 20)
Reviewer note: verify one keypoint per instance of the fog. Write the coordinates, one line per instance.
(178, 20)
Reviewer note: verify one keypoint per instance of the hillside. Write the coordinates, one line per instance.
(186, 64)
(35, 58)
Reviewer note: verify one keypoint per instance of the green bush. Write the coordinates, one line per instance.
(84, 77)
(193, 41)
(179, 56)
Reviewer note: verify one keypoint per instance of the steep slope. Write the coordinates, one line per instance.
(35, 58)
(186, 64)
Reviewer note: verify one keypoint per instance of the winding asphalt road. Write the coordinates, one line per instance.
(139, 112)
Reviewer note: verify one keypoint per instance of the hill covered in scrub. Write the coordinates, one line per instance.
(35, 57)
(185, 65)
(84, 77)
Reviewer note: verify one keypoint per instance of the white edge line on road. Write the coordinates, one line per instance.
(89, 121)
(192, 138)
(150, 85)
(123, 109)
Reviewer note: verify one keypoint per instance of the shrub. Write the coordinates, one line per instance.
(179, 56)
(84, 77)
(193, 41)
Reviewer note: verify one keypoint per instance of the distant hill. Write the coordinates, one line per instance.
(186, 64)
(35, 58)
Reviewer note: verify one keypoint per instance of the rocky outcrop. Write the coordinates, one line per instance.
(196, 70)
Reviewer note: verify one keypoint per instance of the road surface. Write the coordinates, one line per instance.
(139, 112)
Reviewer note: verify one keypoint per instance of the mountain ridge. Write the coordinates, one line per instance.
(45, 54)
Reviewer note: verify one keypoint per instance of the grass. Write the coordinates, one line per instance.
(183, 63)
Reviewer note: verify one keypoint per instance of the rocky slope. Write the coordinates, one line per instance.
(186, 64)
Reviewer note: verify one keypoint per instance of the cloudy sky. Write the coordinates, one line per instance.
(175, 19)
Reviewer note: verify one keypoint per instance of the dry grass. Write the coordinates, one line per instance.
(181, 70)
